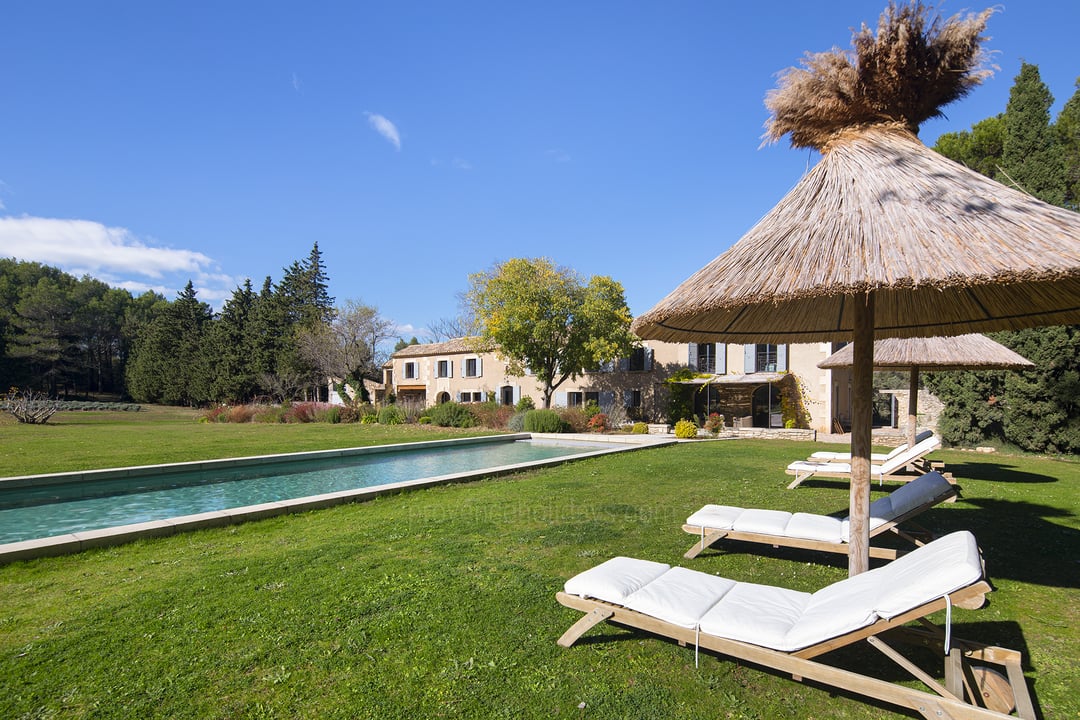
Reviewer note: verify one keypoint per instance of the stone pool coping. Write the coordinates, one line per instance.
(105, 537)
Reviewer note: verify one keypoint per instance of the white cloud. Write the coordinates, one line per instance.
(462, 164)
(296, 84)
(115, 256)
(385, 128)
(93, 247)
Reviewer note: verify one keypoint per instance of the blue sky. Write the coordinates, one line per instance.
(146, 143)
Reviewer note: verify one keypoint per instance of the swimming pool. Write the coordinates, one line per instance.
(90, 508)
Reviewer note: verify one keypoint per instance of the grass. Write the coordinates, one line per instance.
(90, 440)
(440, 603)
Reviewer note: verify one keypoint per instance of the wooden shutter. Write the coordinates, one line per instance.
(721, 358)
(749, 358)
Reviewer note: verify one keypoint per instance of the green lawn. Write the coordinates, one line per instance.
(440, 602)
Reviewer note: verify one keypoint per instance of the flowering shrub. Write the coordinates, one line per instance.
(598, 423)
(714, 423)
(639, 428)
(686, 429)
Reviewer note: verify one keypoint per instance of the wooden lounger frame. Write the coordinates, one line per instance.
(905, 473)
(920, 536)
(968, 692)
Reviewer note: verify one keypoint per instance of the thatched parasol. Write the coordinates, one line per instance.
(883, 237)
(962, 352)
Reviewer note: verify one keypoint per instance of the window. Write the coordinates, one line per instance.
(637, 360)
(469, 396)
(410, 371)
(471, 367)
(706, 357)
(765, 358)
(444, 369)
(592, 397)
(574, 399)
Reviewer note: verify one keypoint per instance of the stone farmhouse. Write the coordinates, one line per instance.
(764, 386)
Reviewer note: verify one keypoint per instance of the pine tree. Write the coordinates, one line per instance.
(231, 349)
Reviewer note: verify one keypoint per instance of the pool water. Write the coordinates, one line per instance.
(40, 511)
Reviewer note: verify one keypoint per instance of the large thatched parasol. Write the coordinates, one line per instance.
(962, 352)
(883, 237)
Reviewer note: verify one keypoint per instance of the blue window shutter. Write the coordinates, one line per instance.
(691, 359)
(749, 358)
(479, 367)
(721, 358)
(517, 394)
(607, 399)
(560, 399)
(648, 359)
(781, 358)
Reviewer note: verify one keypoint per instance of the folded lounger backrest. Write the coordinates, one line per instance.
(898, 461)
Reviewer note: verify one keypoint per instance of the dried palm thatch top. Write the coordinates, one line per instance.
(903, 76)
(943, 249)
(963, 352)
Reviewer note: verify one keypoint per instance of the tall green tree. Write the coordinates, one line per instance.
(230, 349)
(549, 321)
(44, 334)
(1067, 127)
(979, 148)
(1030, 154)
(169, 365)
(1034, 409)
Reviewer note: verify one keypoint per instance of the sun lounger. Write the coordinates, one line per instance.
(891, 468)
(828, 456)
(713, 523)
(785, 629)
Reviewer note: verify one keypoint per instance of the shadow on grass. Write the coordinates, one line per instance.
(1017, 538)
(859, 658)
(997, 472)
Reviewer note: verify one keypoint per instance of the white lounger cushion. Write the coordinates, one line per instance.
(783, 619)
(825, 528)
(680, 596)
(827, 456)
(615, 579)
(887, 467)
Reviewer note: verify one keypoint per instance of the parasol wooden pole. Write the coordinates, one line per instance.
(912, 405)
(861, 421)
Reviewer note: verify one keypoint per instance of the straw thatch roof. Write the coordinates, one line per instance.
(963, 352)
(946, 251)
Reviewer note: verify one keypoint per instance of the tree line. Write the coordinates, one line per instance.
(1038, 409)
(75, 337)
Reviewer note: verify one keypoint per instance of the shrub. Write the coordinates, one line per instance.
(640, 428)
(332, 415)
(451, 414)
(301, 412)
(525, 404)
(242, 413)
(348, 414)
(270, 414)
(714, 423)
(392, 415)
(424, 420)
(686, 429)
(575, 418)
(218, 413)
(369, 419)
(516, 423)
(492, 415)
(598, 423)
(544, 421)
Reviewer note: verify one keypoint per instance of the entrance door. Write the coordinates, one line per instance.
(507, 395)
(766, 407)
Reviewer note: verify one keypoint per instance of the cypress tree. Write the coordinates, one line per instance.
(1030, 155)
